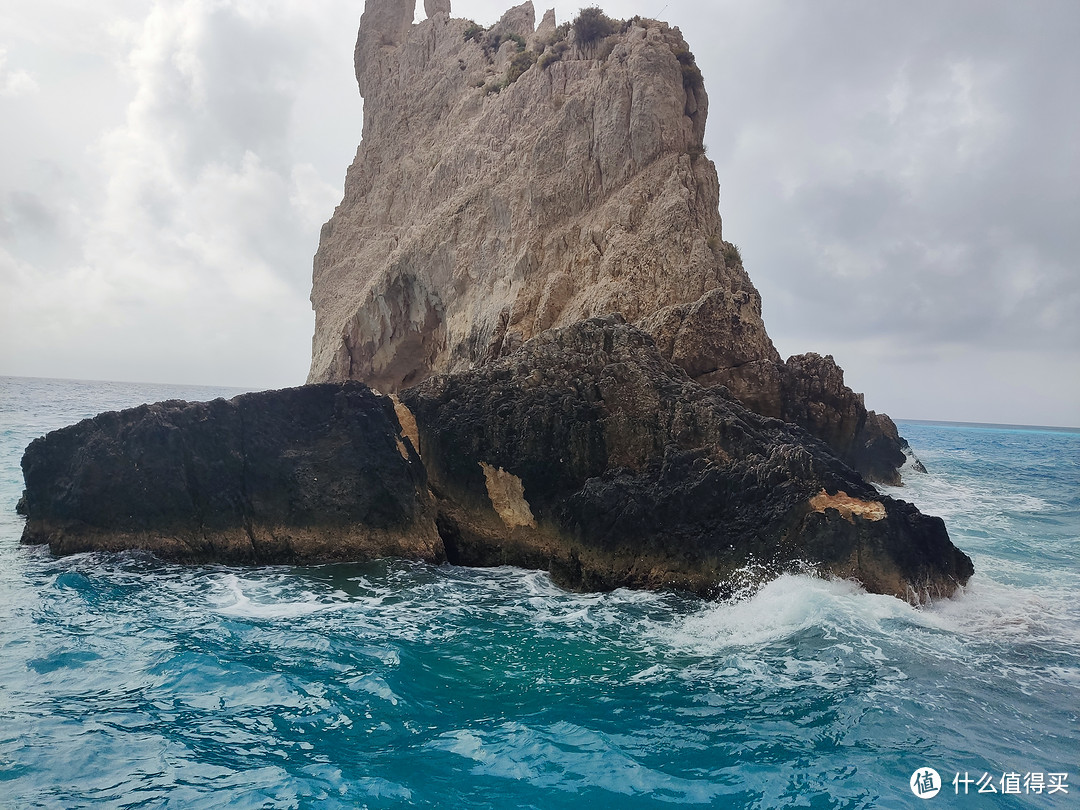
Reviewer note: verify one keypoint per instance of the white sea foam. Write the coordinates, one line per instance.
(233, 600)
(650, 675)
(785, 607)
(971, 499)
(374, 685)
(992, 610)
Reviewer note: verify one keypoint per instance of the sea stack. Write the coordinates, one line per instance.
(533, 347)
(525, 177)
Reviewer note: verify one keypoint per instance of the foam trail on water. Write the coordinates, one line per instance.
(234, 601)
(1003, 612)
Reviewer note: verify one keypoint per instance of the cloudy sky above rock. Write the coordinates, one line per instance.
(903, 181)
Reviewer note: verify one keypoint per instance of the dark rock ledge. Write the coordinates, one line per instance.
(302, 474)
(584, 453)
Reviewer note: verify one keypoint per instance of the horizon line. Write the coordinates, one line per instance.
(962, 423)
(966, 423)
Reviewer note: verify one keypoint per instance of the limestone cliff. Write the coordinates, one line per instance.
(527, 177)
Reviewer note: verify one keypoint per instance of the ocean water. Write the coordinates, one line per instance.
(129, 682)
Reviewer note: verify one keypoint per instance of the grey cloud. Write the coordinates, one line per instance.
(225, 89)
(251, 70)
(39, 228)
(192, 249)
(928, 141)
(902, 179)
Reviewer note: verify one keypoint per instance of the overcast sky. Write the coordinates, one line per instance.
(903, 179)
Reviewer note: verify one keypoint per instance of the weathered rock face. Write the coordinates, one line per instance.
(584, 453)
(305, 474)
(480, 234)
(503, 187)
(588, 454)
(474, 220)
(815, 397)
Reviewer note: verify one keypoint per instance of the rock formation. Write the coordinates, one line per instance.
(304, 474)
(588, 454)
(584, 453)
(529, 257)
(513, 180)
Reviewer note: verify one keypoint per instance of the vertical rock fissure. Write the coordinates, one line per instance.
(193, 489)
(246, 507)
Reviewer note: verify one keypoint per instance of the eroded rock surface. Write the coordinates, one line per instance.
(632, 474)
(301, 475)
(514, 180)
(512, 185)
(584, 453)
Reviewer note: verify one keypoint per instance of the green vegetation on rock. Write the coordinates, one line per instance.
(593, 25)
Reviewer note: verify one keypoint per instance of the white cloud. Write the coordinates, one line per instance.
(197, 214)
(901, 180)
(15, 83)
(311, 196)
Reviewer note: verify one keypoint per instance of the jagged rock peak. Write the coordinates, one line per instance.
(520, 20)
(509, 181)
(547, 24)
(518, 178)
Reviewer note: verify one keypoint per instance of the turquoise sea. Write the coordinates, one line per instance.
(129, 682)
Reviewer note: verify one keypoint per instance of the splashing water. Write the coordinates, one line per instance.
(129, 682)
